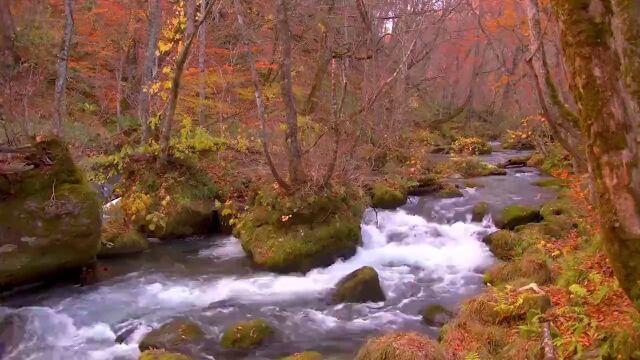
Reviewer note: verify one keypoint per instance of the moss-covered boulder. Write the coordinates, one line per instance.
(362, 285)
(425, 185)
(467, 168)
(436, 315)
(121, 240)
(193, 218)
(246, 335)
(296, 233)
(401, 346)
(449, 191)
(49, 218)
(162, 355)
(174, 335)
(503, 244)
(306, 355)
(516, 215)
(386, 197)
(479, 211)
(532, 267)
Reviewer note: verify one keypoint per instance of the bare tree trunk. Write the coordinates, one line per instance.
(172, 102)
(259, 99)
(202, 47)
(562, 121)
(59, 110)
(336, 107)
(297, 174)
(604, 69)
(191, 17)
(155, 19)
(8, 55)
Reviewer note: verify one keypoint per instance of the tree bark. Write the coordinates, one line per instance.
(259, 99)
(562, 121)
(144, 99)
(8, 55)
(172, 102)
(59, 109)
(602, 53)
(202, 47)
(297, 174)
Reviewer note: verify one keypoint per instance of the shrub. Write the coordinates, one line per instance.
(470, 146)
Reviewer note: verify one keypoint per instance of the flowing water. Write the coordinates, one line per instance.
(427, 252)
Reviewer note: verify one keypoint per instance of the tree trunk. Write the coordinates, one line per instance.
(562, 121)
(172, 102)
(297, 174)
(602, 53)
(202, 47)
(59, 110)
(259, 99)
(155, 18)
(8, 56)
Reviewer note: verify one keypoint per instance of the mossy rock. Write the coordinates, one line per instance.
(306, 355)
(401, 346)
(468, 168)
(553, 183)
(516, 215)
(425, 185)
(532, 267)
(474, 184)
(196, 218)
(360, 286)
(479, 211)
(304, 234)
(386, 197)
(172, 336)
(449, 191)
(162, 355)
(503, 244)
(121, 241)
(49, 219)
(436, 315)
(246, 335)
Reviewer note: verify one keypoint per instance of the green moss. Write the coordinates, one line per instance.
(172, 335)
(449, 191)
(306, 355)
(516, 215)
(246, 335)
(120, 241)
(286, 234)
(436, 315)
(531, 267)
(554, 183)
(469, 183)
(362, 285)
(503, 244)
(468, 168)
(479, 211)
(401, 346)
(385, 197)
(162, 355)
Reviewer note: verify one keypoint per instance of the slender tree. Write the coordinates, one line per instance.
(144, 99)
(602, 54)
(202, 47)
(8, 55)
(59, 111)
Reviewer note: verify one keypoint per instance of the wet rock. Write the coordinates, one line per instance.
(307, 355)
(121, 241)
(162, 355)
(515, 162)
(12, 331)
(502, 243)
(173, 336)
(401, 346)
(449, 191)
(426, 185)
(436, 315)
(386, 197)
(49, 218)
(246, 335)
(516, 215)
(362, 285)
(479, 211)
(125, 333)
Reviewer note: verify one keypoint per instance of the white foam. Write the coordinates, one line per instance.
(227, 248)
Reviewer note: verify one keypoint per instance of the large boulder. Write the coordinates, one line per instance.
(162, 355)
(174, 335)
(386, 197)
(284, 233)
(401, 346)
(516, 215)
(362, 285)
(49, 218)
(246, 335)
(121, 240)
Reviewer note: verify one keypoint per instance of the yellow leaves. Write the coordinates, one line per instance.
(285, 218)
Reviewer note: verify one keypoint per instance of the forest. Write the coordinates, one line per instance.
(319, 179)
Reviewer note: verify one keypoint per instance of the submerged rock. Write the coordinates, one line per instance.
(246, 335)
(12, 332)
(386, 197)
(307, 355)
(49, 218)
(516, 215)
(362, 285)
(285, 235)
(401, 346)
(479, 211)
(162, 355)
(436, 315)
(173, 335)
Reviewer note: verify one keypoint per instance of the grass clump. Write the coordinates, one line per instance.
(401, 346)
(471, 146)
(532, 267)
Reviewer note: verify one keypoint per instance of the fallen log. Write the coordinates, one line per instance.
(520, 161)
